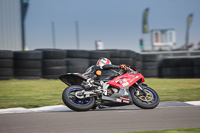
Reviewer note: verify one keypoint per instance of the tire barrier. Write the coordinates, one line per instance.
(170, 72)
(6, 73)
(49, 63)
(138, 61)
(53, 53)
(77, 54)
(6, 64)
(99, 54)
(153, 73)
(114, 53)
(28, 55)
(53, 63)
(95, 55)
(127, 57)
(6, 54)
(169, 68)
(128, 61)
(196, 67)
(27, 64)
(150, 65)
(150, 57)
(186, 68)
(127, 54)
(77, 65)
(115, 61)
(179, 68)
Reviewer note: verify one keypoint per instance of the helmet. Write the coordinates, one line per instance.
(103, 61)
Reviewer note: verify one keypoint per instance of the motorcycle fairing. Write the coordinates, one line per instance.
(72, 78)
(126, 80)
(123, 97)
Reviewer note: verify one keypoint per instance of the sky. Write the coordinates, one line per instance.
(117, 23)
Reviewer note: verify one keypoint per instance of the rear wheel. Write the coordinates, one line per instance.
(148, 101)
(75, 103)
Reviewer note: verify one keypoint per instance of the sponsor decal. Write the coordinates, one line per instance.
(124, 98)
(137, 77)
(118, 100)
(126, 101)
(125, 84)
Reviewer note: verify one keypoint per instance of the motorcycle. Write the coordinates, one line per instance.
(121, 88)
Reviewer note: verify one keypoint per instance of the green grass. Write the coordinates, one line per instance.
(176, 89)
(30, 93)
(188, 130)
(37, 93)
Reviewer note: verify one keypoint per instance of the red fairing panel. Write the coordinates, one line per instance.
(126, 80)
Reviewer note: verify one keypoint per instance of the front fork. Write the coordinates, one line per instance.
(141, 88)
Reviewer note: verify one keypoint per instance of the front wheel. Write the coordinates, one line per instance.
(148, 101)
(75, 103)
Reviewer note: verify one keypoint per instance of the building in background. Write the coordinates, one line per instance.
(163, 39)
(12, 16)
(99, 45)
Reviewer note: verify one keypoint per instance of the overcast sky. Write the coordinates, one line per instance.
(116, 22)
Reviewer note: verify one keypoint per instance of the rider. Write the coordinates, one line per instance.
(106, 67)
(107, 72)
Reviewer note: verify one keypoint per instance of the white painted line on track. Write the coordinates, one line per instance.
(63, 108)
(195, 103)
(55, 108)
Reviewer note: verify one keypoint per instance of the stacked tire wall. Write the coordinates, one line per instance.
(27, 64)
(196, 67)
(77, 61)
(53, 63)
(95, 55)
(127, 57)
(6, 65)
(138, 61)
(150, 65)
(50, 63)
(180, 67)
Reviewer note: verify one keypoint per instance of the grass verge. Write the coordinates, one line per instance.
(37, 93)
(188, 130)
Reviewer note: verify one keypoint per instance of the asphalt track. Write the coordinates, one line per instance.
(106, 120)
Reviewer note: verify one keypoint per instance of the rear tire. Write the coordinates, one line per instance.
(74, 103)
(145, 103)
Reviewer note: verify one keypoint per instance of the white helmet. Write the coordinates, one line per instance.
(103, 61)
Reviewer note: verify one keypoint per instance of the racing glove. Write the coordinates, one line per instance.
(123, 67)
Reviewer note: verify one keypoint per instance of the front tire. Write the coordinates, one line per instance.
(150, 101)
(74, 103)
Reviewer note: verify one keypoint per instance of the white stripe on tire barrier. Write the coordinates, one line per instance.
(195, 103)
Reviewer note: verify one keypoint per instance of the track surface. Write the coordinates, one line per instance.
(101, 121)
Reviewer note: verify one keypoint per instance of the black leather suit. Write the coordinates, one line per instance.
(106, 70)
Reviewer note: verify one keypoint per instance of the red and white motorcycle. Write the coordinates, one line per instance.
(126, 88)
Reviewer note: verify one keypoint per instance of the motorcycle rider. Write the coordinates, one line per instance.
(106, 68)
(107, 72)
